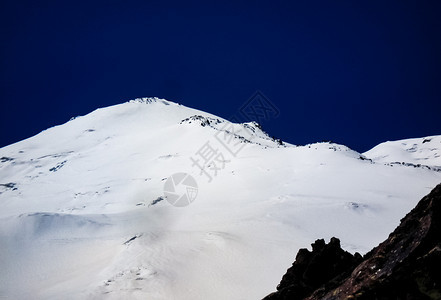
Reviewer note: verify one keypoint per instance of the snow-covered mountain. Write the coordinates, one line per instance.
(418, 152)
(84, 214)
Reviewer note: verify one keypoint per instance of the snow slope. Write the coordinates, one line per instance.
(420, 151)
(83, 215)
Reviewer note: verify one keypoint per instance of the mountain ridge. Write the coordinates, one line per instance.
(75, 194)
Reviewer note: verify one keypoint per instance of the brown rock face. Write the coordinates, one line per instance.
(405, 266)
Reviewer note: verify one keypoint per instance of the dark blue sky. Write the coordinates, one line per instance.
(355, 72)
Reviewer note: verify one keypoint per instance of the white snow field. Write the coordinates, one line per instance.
(82, 215)
(421, 151)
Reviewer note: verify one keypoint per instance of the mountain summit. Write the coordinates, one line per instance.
(86, 214)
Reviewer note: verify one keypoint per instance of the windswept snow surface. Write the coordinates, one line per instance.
(420, 151)
(83, 215)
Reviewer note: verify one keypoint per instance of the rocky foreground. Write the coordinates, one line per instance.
(405, 266)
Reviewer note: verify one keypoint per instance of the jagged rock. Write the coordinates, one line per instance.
(405, 266)
(313, 269)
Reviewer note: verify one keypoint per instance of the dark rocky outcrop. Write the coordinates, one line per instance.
(405, 266)
(326, 263)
